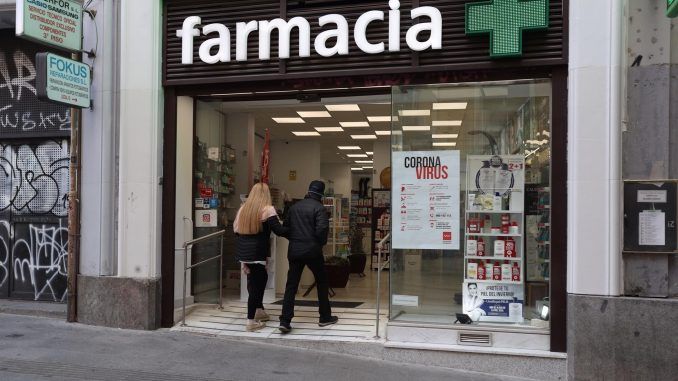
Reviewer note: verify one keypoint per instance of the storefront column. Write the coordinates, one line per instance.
(130, 298)
(594, 148)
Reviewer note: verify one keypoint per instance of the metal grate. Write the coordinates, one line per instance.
(22, 115)
(479, 339)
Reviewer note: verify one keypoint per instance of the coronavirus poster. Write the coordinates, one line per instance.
(426, 194)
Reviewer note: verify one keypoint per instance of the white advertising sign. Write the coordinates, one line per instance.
(493, 301)
(52, 22)
(426, 196)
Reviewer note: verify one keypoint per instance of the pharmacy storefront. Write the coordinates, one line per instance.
(441, 123)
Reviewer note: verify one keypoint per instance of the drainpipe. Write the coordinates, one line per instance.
(74, 212)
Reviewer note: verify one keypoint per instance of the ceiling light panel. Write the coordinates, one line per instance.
(415, 112)
(356, 169)
(370, 153)
(364, 137)
(445, 136)
(314, 114)
(305, 133)
(444, 144)
(289, 120)
(416, 128)
(329, 129)
(354, 124)
(364, 162)
(450, 106)
(340, 108)
(383, 133)
(357, 155)
(447, 123)
(379, 119)
(368, 167)
(348, 148)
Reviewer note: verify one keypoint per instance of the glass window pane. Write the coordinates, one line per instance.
(501, 133)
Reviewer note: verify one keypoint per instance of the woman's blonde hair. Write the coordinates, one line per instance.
(249, 219)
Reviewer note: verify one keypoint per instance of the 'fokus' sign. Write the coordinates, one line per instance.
(334, 40)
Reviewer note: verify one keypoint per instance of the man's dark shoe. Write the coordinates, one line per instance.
(330, 321)
(285, 327)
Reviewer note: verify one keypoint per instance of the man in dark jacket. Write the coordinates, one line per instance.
(308, 225)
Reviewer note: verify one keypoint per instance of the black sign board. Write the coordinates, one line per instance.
(650, 210)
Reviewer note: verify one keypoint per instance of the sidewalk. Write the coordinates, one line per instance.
(49, 349)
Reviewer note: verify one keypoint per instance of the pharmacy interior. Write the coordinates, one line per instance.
(451, 157)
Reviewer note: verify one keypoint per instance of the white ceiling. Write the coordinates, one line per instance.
(265, 111)
(488, 109)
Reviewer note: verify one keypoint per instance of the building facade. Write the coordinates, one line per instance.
(585, 100)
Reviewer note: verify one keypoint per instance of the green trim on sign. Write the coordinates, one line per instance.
(505, 21)
(672, 8)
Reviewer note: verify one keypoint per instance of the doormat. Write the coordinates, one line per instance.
(312, 303)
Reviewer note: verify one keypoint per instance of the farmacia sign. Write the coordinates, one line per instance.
(331, 42)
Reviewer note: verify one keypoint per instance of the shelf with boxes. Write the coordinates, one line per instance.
(381, 225)
(538, 237)
(494, 235)
(338, 240)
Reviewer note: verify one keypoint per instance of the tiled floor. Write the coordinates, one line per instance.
(355, 324)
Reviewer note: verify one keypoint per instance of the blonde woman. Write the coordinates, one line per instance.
(253, 225)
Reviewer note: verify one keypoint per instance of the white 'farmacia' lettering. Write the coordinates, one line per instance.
(218, 48)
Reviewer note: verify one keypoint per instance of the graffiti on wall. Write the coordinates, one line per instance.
(40, 261)
(21, 113)
(34, 179)
(34, 183)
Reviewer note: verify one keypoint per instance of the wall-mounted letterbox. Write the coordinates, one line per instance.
(650, 209)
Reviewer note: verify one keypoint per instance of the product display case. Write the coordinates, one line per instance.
(381, 225)
(361, 218)
(338, 240)
(493, 251)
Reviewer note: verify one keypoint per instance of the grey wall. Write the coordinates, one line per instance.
(650, 138)
(621, 338)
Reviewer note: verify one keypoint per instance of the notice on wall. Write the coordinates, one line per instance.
(206, 218)
(652, 228)
(653, 196)
(493, 301)
(426, 196)
(405, 300)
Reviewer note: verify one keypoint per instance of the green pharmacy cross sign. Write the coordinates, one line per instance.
(505, 21)
(672, 8)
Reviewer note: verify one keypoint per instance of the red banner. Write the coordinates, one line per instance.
(265, 159)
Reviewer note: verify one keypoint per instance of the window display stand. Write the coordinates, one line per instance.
(493, 255)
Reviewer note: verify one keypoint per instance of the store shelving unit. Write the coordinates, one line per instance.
(539, 259)
(361, 217)
(381, 225)
(338, 240)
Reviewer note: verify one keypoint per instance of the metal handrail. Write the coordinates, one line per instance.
(380, 268)
(188, 245)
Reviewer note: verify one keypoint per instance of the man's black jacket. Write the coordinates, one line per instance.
(308, 225)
